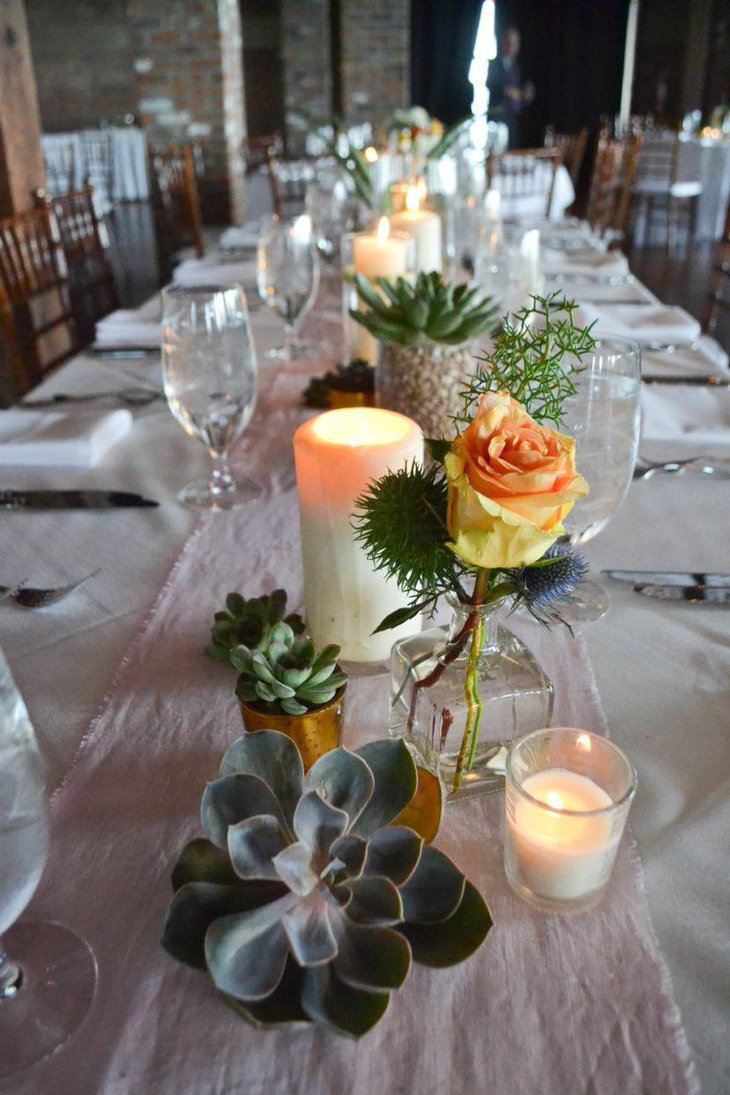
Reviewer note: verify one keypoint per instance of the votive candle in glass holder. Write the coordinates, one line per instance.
(567, 796)
(381, 253)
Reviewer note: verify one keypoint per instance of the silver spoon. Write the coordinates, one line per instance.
(706, 465)
(133, 397)
(34, 597)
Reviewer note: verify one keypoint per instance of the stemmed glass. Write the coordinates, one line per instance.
(603, 417)
(288, 274)
(47, 973)
(209, 375)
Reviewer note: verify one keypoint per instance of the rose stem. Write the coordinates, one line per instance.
(471, 689)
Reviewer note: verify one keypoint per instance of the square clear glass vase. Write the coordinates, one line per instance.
(461, 694)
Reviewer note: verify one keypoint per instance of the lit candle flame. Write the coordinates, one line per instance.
(414, 195)
(383, 230)
(370, 154)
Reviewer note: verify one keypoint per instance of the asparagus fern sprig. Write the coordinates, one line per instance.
(536, 359)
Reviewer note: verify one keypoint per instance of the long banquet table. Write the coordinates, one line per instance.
(107, 678)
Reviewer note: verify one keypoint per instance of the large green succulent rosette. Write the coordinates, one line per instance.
(301, 900)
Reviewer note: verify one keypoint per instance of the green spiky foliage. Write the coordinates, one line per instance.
(288, 676)
(536, 359)
(352, 162)
(249, 621)
(302, 900)
(450, 136)
(428, 309)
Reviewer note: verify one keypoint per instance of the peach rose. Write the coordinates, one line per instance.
(511, 482)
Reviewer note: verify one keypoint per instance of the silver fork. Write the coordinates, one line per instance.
(705, 465)
(25, 596)
(132, 397)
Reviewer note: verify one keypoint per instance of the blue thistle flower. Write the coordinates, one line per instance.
(546, 582)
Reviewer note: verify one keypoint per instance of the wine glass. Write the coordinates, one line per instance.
(209, 376)
(603, 417)
(288, 274)
(47, 973)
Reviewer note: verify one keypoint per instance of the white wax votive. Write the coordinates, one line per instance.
(424, 226)
(566, 801)
(379, 254)
(337, 454)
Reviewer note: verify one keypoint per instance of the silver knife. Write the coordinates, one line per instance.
(693, 594)
(703, 381)
(71, 499)
(671, 577)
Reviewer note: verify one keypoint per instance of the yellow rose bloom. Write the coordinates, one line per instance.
(511, 482)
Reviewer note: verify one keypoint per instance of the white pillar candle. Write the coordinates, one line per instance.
(424, 227)
(337, 454)
(493, 205)
(378, 255)
(561, 856)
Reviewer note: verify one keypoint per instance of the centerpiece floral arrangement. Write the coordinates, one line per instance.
(415, 130)
(482, 524)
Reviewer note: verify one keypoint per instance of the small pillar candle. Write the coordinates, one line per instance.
(378, 255)
(424, 226)
(337, 454)
(564, 820)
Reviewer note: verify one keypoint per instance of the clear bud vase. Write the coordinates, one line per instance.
(460, 695)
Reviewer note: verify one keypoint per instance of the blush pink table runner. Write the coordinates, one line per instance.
(572, 1005)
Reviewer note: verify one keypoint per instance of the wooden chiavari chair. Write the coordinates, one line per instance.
(38, 323)
(614, 170)
(176, 204)
(60, 165)
(261, 152)
(85, 242)
(527, 173)
(98, 166)
(572, 146)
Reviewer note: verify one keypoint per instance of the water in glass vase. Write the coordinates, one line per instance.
(460, 695)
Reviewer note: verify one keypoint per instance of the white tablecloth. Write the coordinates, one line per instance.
(663, 671)
(706, 160)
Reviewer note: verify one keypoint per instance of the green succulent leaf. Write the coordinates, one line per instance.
(434, 890)
(350, 851)
(202, 861)
(293, 707)
(343, 780)
(309, 932)
(370, 957)
(452, 940)
(252, 846)
(294, 866)
(246, 952)
(231, 799)
(346, 1010)
(318, 823)
(373, 901)
(282, 1007)
(394, 772)
(393, 852)
(196, 906)
(275, 759)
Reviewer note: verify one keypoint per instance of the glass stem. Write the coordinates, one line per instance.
(288, 341)
(11, 976)
(221, 479)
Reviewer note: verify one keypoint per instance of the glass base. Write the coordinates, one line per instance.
(53, 995)
(199, 495)
(550, 904)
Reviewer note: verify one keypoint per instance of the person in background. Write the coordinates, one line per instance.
(507, 94)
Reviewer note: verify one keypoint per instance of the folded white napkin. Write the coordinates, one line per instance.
(584, 262)
(128, 328)
(647, 323)
(700, 415)
(211, 272)
(55, 438)
(234, 238)
(707, 358)
(598, 292)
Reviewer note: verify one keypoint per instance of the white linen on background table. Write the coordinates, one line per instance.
(211, 271)
(127, 327)
(644, 322)
(77, 438)
(663, 671)
(589, 262)
(706, 358)
(697, 415)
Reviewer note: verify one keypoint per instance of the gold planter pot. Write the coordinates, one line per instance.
(339, 399)
(314, 733)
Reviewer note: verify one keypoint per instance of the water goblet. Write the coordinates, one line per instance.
(603, 417)
(288, 274)
(47, 972)
(209, 376)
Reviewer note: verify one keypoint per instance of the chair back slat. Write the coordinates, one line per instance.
(614, 171)
(525, 173)
(175, 202)
(38, 324)
(572, 146)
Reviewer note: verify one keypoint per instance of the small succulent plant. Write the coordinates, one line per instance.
(249, 622)
(302, 901)
(356, 376)
(288, 676)
(428, 309)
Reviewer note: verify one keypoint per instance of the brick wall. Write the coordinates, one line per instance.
(375, 58)
(305, 35)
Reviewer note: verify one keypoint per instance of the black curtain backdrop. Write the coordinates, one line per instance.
(572, 50)
(442, 44)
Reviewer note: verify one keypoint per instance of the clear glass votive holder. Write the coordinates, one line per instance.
(567, 796)
(393, 255)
